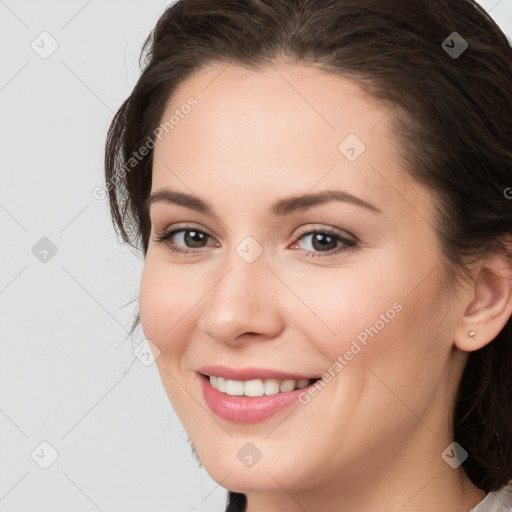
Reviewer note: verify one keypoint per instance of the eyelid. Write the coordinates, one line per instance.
(323, 228)
(184, 226)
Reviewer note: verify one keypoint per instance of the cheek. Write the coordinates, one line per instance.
(384, 324)
(405, 346)
(351, 309)
(150, 307)
(163, 301)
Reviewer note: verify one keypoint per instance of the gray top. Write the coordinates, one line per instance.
(496, 501)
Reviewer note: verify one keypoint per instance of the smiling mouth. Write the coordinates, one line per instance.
(256, 387)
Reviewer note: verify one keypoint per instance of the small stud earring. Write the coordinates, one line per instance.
(471, 334)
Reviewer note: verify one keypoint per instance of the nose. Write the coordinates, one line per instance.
(243, 304)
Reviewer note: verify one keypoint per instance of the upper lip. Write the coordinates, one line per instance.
(250, 373)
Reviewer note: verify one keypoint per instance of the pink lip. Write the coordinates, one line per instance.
(250, 373)
(243, 409)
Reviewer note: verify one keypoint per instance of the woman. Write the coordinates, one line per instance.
(322, 194)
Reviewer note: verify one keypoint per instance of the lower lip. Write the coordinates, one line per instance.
(243, 409)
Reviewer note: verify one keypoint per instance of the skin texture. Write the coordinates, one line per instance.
(372, 438)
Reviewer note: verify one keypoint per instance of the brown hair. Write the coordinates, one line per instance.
(453, 118)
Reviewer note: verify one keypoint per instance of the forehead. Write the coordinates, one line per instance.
(293, 127)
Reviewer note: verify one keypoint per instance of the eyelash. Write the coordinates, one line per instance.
(349, 245)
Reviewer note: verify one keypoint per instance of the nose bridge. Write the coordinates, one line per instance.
(239, 300)
(245, 271)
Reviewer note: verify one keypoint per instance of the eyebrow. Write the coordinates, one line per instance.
(279, 208)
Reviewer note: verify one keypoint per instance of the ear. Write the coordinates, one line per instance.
(491, 306)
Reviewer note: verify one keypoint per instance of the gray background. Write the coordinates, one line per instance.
(67, 377)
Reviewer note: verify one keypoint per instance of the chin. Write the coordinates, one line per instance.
(267, 474)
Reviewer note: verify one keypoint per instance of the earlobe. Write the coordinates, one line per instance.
(490, 307)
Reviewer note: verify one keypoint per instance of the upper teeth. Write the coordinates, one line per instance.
(257, 387)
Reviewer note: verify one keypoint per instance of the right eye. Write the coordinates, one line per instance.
(192, 238)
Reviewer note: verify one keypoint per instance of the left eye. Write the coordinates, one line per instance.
(323, 242)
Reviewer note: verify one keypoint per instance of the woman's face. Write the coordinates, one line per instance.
(360, 301)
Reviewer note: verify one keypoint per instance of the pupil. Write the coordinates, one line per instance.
(191, 238)
(322, 240)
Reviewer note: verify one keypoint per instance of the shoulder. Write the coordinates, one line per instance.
(496, 501)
